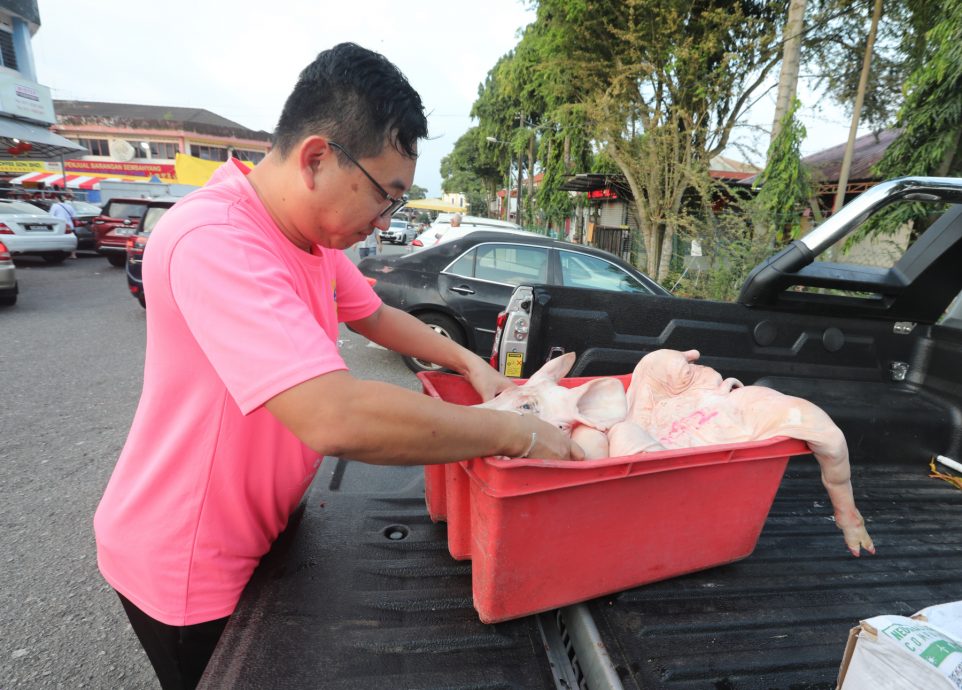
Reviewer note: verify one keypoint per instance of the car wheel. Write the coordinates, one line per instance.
(8, 301)
(118, 260)
(442, 325)
(142, 300)
(55, 257)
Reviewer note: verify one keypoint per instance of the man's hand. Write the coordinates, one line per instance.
(547, 442)
(485, 379)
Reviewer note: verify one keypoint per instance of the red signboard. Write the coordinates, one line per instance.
(607, 193)
(117, 168)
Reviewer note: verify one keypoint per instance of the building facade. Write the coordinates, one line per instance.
(26, 107)
(137, 139)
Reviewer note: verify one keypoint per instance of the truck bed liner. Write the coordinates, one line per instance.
(340, 604)
(780, 618)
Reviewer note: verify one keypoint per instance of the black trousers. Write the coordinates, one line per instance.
(179, 654)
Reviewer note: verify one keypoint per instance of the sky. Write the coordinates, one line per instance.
(240, 59)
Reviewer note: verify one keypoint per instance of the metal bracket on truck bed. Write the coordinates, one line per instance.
(575, 650)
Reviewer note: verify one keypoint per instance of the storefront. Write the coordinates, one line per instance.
(26, 112)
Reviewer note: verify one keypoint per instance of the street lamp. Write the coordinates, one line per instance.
(507, 201)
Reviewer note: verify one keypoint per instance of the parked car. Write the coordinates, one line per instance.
(8, 278)
(83, 218)
(441, 231)
(459, 286)
(26, 229)
(399, 232)
(114, 225)
(83, 224)
(136, 245)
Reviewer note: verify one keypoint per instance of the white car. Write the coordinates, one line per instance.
(8, 278)
(28, 229)
(441, 231)
(399, 232)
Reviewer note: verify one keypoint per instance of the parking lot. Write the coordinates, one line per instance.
(71, 364)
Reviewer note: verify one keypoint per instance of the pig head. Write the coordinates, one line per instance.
(682, 404)
(599, 403)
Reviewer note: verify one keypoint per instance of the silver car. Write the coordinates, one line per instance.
(28, 229)
(8, 278)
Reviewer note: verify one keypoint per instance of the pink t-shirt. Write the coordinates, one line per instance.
(208, 477)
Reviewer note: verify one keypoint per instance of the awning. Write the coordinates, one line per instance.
(56, 180)
(44, 144)
(435, 205)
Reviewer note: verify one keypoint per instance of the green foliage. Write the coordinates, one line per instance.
(930, 120)
(660, 84)
(417, 192)
(729, 253)
(834, 48)
(786, 185)
(469, 168)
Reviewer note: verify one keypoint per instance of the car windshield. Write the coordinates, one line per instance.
(20, 207)
(152, 216)
(397, 223)
(120, 209)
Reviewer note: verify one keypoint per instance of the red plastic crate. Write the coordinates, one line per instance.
(544, 533)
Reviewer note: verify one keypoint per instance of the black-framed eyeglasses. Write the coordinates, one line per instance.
(393, 203)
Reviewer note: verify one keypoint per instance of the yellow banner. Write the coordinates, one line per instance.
(196, 171)
(25, 166)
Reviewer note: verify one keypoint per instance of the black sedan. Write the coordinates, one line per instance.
(459, 287)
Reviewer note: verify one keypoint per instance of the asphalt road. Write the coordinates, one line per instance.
(71, 366)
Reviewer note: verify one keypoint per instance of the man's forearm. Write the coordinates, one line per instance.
(336, 414)
(401, 332)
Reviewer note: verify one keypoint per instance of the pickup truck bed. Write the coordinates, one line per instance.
(339, 604)
(363, 594)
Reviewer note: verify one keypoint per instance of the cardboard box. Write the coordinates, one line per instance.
(899, 653)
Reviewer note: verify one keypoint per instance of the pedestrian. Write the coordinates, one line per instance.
(371, 244)
(63, 210)
(244, 388)
(453, 222)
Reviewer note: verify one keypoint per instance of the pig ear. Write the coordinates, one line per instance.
(601, 403)
(554, 370)
(691, 355)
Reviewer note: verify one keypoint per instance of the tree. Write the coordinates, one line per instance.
(791, 60)
(836, 45)
(930, 143)
(417, 192)
(662, 83)
(471, 169)
(786, 185)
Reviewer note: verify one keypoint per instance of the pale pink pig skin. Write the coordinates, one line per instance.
(682, 405)
(599, 403)
(628, 438)
(592, 441)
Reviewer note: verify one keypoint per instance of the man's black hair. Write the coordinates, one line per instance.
(358, 99)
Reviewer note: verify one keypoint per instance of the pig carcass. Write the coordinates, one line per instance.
(682, 404)
(586, 411)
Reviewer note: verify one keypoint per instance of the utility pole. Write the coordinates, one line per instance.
(859, 99)
(520, 178)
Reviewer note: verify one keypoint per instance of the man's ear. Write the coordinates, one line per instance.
(311, 152)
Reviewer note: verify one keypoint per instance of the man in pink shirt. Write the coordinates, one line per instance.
(244, 389)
